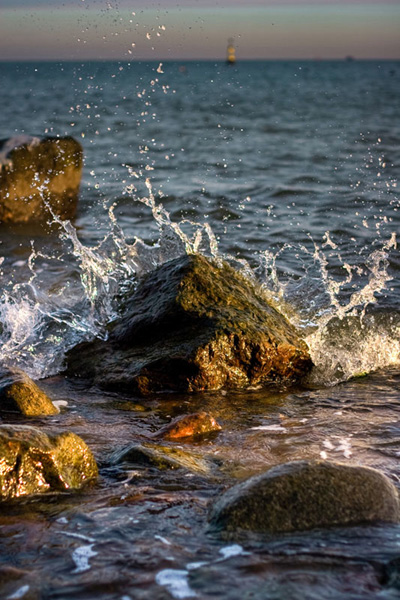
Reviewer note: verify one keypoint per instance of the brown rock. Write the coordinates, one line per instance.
(18, 393)
(33, 462)
(194, 425)
(36, 171)
(193, 324)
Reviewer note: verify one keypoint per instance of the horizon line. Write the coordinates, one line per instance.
(348, 58)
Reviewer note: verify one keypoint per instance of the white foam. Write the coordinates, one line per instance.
(81, 557)
(176, 582)
(59, 403)
(163, 540)
(196, 565)
(20, 593)
(231, 551)
(342, 445)
(275, 427)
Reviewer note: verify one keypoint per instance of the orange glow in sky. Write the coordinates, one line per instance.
(97, 29)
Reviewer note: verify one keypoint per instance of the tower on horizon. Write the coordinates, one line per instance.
(230, 52)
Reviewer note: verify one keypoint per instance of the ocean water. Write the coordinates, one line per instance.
(287, 169)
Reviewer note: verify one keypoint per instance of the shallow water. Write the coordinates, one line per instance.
(289, 170)
(139, 527)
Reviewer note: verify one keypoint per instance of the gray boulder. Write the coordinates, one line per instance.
(305, 495)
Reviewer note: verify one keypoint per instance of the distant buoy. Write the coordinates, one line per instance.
(230, 53)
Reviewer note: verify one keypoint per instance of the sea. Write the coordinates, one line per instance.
(289, 171)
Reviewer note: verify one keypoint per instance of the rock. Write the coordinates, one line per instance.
(194, 425)
(33, 462)
(160, 457)
(34, 171)
(305, 495)
(193, 324)
(18, 393)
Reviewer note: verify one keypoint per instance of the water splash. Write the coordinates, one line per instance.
(345, 337)
(327, 299)
(40, 321)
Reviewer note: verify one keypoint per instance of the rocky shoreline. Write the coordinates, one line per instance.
(193, 325)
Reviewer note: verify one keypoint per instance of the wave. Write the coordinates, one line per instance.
(331, 307)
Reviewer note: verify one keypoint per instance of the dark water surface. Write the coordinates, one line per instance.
(290, 171)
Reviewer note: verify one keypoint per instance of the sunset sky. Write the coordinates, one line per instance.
(167, 29)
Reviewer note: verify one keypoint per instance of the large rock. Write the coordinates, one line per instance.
(36, 171)
(305, 495)
(193, 324)
(32, 462)
(18, 393)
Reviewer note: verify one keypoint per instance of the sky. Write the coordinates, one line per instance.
(198, 29)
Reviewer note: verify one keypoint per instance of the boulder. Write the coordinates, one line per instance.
(18, 393)
(33, 462)
(35, 172)
(189, 426)
(305, 495)
(193, 324)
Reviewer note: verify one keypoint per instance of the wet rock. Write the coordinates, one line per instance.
(18, 393)
(305, 495)
(36, 171)
(193, 324)
(194, 425)
(32, 462)
(160, 457)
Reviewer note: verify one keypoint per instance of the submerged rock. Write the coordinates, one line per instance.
(18, 393)
(32, 462)
(305, 495)
(36, 171)
(194, 425)
(160, 457)
(193, 324)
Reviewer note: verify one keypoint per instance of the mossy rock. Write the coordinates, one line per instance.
(193, 324)
(37, 172)
(33, 462)
(160, 457)
(18, 393)
(306, 495)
